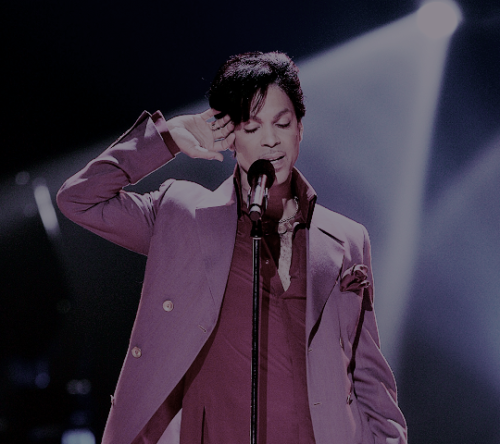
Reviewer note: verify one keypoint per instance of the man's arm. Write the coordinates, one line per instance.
(94, 197)
(374, 383)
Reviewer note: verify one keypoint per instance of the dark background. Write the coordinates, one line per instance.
(76, 73)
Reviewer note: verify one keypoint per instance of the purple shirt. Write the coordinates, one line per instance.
(216, 402)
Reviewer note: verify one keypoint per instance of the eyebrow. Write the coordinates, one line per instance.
(276, 117)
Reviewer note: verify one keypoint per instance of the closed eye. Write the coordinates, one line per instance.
(251, 130)
(283, 125)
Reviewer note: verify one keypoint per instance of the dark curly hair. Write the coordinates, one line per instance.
(240, 86)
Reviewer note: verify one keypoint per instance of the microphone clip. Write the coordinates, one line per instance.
(254, 207)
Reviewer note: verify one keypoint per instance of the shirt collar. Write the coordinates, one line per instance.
(301, 188)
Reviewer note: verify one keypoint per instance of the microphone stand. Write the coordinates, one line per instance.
(261, 176)
(256, 234)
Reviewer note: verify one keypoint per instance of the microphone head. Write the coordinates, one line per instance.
(259, 168)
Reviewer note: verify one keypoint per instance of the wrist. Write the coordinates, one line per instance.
(162, 127)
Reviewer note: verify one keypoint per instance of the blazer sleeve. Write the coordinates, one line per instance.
(94, 197)
(374, 382)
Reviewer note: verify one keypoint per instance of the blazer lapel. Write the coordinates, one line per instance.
(326, 256)
(216, 223)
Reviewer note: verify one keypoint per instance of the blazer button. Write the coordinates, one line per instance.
(136, 352)
(168, 306)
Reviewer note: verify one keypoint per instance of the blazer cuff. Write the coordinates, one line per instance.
(165, 135)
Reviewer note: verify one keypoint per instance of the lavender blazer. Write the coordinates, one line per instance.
(188, 234)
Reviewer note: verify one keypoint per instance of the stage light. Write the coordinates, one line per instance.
(78, 436)
(438, 19)
(45, 207)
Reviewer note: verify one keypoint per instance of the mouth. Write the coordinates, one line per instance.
(276, 159)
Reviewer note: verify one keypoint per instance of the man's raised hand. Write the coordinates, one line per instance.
(198, 138)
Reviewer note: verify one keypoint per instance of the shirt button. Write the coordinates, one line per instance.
(168, 306)
(341, 344)
(136, 352)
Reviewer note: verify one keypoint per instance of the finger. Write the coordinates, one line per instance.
(208, 114)
(219, 157)
(222, 133)
(227, 129)
(225, 144)
(224, 120)
(221, 123)
(222, 128)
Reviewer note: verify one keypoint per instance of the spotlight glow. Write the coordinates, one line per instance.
(438, 19)
(45, 207)
(78, 436)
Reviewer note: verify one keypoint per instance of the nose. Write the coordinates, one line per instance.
(269, 137)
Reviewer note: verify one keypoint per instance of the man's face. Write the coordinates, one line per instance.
(273, 134)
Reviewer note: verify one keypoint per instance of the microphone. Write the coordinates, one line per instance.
(260, 177)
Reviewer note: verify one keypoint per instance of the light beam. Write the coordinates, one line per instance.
(438, 19)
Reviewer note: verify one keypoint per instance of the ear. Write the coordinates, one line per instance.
(301, 130)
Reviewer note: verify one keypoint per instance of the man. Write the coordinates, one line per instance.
(322, 377)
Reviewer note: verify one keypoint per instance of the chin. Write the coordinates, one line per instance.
(282, 177)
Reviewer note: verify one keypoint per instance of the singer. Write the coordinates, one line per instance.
(186, 375)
